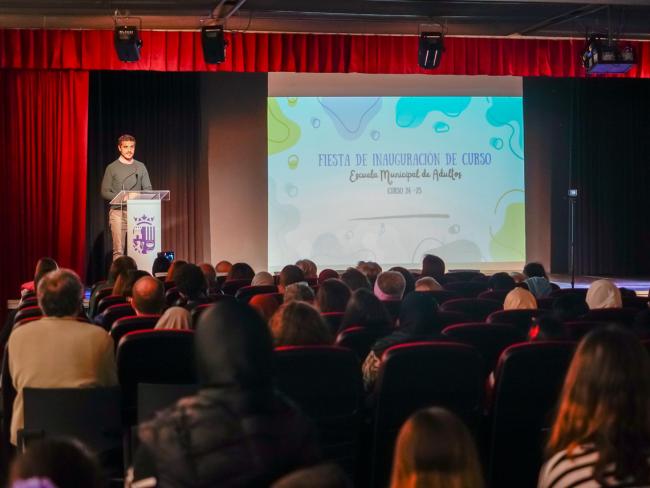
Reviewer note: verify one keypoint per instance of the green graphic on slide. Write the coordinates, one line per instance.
(283, 132)
(509, 242)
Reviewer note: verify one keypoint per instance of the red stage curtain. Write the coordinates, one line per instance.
(43, 136)
(315, 53)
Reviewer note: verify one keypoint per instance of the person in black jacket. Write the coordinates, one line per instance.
(238, 430)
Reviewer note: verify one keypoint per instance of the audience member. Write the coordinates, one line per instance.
(409, 281)
(320, 476)
(532, 270)
(427, 284)
(58, 351)
(266, 304)
(192, 286)
(547, 328)
(434, 267)
(300, 292)
(241, 271)
(355, 279)
(501, 281)
(210, 277)
(299, 324)
(418, 321)
(603, 294)
(148, 297)
(601, 433)
(178, 318)
(370, 269)
(538, 286)
(290, 274)
(434, 449)
(43, 266)
(308, 268)
(569, 306)
(263, 278)
(327, 274)
(174, 268)
(366, 310)
(118, 267)
(389, 285)
(160, 267)
(517, 276)
(332, 296)
(223, 268)
(56, 463)
(238, 430)
(519, 299)
(124, 283)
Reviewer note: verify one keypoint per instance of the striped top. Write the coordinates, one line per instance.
(578, 471)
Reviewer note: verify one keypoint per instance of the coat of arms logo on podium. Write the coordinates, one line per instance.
(144, 234)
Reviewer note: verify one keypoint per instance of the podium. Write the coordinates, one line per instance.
(144, 224)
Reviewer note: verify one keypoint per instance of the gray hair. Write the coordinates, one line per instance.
(60, 293)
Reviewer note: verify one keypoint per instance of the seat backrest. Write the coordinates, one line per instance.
(476, 309)
(230, 287)
(441, 296)
(28, 302)
(359, 340)
(569, 291)
(623, 316)
(489, 339)
(245, 293)
(171, 296)
(640, 303)
(456, 276)
(131, 323)
(28, 313)
(577, 329)
(153, 397)
(467, 289)
(521, 319)
(333, 321)
(112, 313)
(545, 303)
(451, 318)
(528, 380)
(91, 415)
(153, 356)
(109, 300)
(496, 295)
(325, 382)
(102, 293)
(419, 375)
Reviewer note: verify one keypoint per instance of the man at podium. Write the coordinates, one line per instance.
(125, 173)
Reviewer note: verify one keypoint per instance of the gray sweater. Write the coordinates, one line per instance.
(118, 175)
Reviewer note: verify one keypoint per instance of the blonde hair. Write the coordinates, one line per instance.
(435, 450)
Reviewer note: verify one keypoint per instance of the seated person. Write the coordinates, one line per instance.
(537, 280)
(355, 279)
(370, 269)
(192, 287)
(547, 328)
(290, 274)
(434, 267)
(428, 284)
(223, 268)
(210, 278)
(409, 281)
(308, 268)
(603, 294)
(241, 271)
(118, 267)
(299, 324)
(501, 281)
(332, 296)
(58, 351)
(263, 278)
(390, 286)
(519, 299)
(366, 310)
(148, 296)
(238, 430)
(300, 292)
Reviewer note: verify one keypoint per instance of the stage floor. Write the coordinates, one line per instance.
(639, 285)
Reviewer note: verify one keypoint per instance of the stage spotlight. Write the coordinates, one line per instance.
(430, 49)
(603, 55)
(214, 44)
(127, 43)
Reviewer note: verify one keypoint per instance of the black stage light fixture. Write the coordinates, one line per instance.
(604, 56)
(214, 44)
(127, 43)
(430, 49)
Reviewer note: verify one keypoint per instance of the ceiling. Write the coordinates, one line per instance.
(625, 19)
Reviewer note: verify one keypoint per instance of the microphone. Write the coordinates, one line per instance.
(123, 189)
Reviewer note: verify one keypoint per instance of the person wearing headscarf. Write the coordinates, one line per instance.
(604, 294)
(538, 286)
(238, 430)
(418, 321)
(263, 278)
(175, 318)
(519, 299)
(427, 284)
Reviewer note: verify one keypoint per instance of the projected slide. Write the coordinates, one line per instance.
(390, 179)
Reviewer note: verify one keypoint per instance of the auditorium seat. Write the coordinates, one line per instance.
(103, 293)
(8, 396)
(577, 329)
(447, 318)
(569, 291)
(521, 319)
(230, 287)
(455, 276)
(528, 380)
(325, 382)
(171, 296)
(245, 293)
(333, 321)
(545, 303)
(196, 313)
(640, 303)
(153, 397)
(419, 375)
(489, 339)
(496, 295)
(131, 323)
(623, 316)
(267, 303)
(28, 302)
(359, 340)
(27, 313)
(441, 296)
(109, 300)
(466, 289)
(153, 356)
(112, 313)
(475, 309)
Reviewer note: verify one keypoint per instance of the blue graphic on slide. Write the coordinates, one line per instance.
(389, 179)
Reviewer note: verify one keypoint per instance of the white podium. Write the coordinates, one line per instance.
(144, 224)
